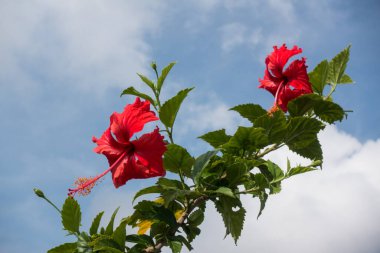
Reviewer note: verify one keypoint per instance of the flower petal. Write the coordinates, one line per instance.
(279, 57)
(149, 150)
(297, 76)
(131, 120)
(109, 147)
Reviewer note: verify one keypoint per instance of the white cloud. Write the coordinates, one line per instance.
(89, 45)
(333, 210)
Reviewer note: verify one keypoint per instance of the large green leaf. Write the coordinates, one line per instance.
(233, 215)
(170, 108)
(164, 73)
(302, 137)
(176, 158)
(95, 223)
(64, 248)
(338, 65)
(329, 111)
(249, 111)
(132, 91)
(200, 163)
(318, 77)
(248, 139)
(71, 215)
(216, 138)
(109, 228)
(196, 218)
(274, 126)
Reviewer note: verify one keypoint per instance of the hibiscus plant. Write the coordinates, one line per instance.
(236, 164)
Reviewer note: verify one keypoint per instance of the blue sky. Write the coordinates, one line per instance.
(64, 64)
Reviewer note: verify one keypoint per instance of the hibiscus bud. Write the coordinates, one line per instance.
(153, 65)
(39, 193)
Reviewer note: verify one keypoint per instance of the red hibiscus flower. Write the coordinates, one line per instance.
(287, 84)
(128, 159)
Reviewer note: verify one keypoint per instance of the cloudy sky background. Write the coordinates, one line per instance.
(64, 64)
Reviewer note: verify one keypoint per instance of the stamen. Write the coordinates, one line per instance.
(84, 185)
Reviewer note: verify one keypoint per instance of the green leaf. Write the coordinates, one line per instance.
(200, 163)
(164, 73)
(233, 215)
(338, 65)
(318, 77)
(148, 190)
(147, 81)
(71, 215)
(184, 241)
(216, 138)
(248, 139)
(95, 223)
(109, 228)
(175, 246)
(64, 248)
(196, 218)
(326, 110)
(107, 245)
(263, 196)
(302, 137)
(249, 111)
(132, 91)
(274, 126)
(225, 191)
(167, 183)
(140, 239)
(302, 104)
(329, 111)
(346, 79)
(275, 171)
(177, 158)
(299, 170)
(119, 234)
(170, 108)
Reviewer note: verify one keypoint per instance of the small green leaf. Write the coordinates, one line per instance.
(196, 218)
(147, 81)
(225, 191)
(248, 139)
(64, 248)
(200, 163)
(175, 246)
(263, 196)
(233, 215)
(338, 65)
(164, 73)
(167, 183)
(275, 171)
(95, 223)
(346, 79)
(176, 158)
(170, 108)
(299, 170)
(216, 138)
(148, 190)
(119, 234)
(250, 111)
(132, 91)
(107, 245)
(71, 215)
(140, 239)
(109, 228)
(318, 77)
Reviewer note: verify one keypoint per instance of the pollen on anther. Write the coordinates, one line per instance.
(84, 185)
